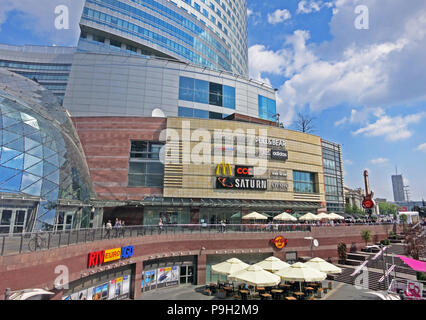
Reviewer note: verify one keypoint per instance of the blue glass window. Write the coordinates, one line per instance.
(216, 94)
(202, 114)
(229, 97)
(267, 108)
(304, 182)
(186, 89)
(185, 112)
(201, 91)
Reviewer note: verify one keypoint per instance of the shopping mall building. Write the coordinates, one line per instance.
(159, 120)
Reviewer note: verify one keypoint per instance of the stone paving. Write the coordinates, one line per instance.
(341, 291)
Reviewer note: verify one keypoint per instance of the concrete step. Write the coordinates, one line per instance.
(357, 256)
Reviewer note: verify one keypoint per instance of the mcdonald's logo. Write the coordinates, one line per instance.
(225, 167)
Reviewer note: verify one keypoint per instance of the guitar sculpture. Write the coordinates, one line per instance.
(368, 202)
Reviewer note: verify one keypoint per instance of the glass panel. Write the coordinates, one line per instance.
(215, 115)
(6, 217)
(137, 167)
(185, 112)
(20, 217)
(136, 180)
(15, 163)
(201, 91)
(154, 181)
(202, 114)
(229, 97)
(155, 168)
(13, 184)
(215, 97)
(186, 89)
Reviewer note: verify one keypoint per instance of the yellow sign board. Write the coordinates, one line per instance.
(112, 254)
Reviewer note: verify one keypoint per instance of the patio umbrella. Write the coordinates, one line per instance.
(272, 264)
(285, 217)
(300, 272)
(323, 266)
(255, 276)
(323, 215)
(236, 215)
(229, 266)
(309, 217)
(335, 216)
(254, 216)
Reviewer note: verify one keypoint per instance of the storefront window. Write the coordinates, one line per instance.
(304, 182)
(168, 215)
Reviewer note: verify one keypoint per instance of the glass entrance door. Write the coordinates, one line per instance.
(13, 220)
(186, 274)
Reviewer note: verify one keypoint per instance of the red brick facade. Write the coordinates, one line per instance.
(36, 270)
(106, 144)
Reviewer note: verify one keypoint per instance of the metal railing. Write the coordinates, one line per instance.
(46, 240)
(36, 241)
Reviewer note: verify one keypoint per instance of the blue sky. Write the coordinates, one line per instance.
(366, 88)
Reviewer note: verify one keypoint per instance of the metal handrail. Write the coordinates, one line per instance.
(20, 243)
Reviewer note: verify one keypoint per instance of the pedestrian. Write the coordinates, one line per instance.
(116, 226)
(108, 228)
(160, 226)
(122, 225)
(223, 224)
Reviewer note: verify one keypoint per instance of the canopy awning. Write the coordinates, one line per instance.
(414, 264)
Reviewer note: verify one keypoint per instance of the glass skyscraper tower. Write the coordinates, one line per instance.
(206, 33)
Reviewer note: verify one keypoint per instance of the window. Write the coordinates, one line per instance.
(205, 92)
(145, 168)
(304, 182)
(267, 108)
(115, 43)
(229, 97)
(216, 91)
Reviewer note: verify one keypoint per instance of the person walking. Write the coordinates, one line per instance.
(122, 229)
(108, 228)
(160, 226)
(116, 227)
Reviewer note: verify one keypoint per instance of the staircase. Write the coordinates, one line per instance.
(375, 267)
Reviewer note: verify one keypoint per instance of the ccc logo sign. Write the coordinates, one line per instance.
(243, 171)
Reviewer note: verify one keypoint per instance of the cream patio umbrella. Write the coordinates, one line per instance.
(229, 266)
(323, 266)
(254, 216)
(323, 215)
(285, 217)
(272, 264)
(301, 272)
(309, 217)
(255, 276)
(335, 216)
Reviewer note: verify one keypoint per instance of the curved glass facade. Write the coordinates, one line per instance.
(40, 154)
(200, 34)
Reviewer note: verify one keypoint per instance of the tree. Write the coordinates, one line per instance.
(348, 208)
(305, 123)
(366, 236)
(341, 251)
(357, 210)
(387, 208)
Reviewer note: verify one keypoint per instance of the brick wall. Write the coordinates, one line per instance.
(106, 144)
(37, 269)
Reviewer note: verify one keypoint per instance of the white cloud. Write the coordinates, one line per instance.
(379, 161)
(348, 162)
(421, 147)
(369, 70)
(305, 7)
(39, 17)
(279, 16)
(393, 129)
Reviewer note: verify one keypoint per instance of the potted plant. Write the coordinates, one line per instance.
(366, 236)
(341, 251)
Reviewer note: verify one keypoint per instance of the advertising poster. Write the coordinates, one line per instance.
(90, 293)
(111, 294)
(153, 278)
(143, 280)
(66, 298)
(126, 284)
(96, 293)
(118, 286)
(82, 295)
(74, 296)
(104, 291)
(174, 277)
(163, 276)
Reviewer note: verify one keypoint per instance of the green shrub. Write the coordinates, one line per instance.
(421, 276)
(385, 242)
